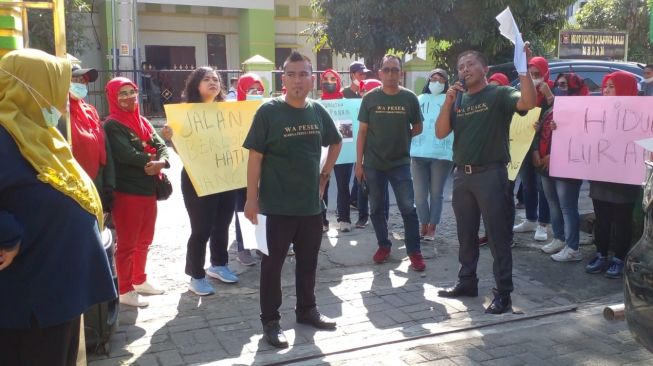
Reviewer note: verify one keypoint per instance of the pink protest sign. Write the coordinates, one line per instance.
(595, 138)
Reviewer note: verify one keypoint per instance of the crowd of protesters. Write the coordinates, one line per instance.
(117, 165)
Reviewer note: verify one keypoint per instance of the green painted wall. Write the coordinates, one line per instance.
(11, 24)
(106, 36)
(256, 33)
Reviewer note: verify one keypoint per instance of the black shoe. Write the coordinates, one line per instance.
(274, 334)
(460, 290)
(361, 223)
(314, 318)
(501, 303)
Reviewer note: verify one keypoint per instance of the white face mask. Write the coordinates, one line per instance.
(356, 82)
(537, 82)
(50, 114)
(436, 87)
(649, 80)
(253, 97)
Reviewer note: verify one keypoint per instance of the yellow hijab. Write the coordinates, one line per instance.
(42, 146)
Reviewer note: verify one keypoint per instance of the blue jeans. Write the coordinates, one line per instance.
(429, 178)
(562, 195)
(537, 208)
(343, 177)
(362, 201)
(402, 185)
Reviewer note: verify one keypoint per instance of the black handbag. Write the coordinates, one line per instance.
(163, 187)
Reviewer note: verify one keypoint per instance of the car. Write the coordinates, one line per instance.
(592, 71)
(638, 274)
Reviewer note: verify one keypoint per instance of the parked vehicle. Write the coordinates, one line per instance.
(638, 274)
(592, 71)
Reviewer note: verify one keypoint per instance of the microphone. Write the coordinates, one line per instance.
(459, 97)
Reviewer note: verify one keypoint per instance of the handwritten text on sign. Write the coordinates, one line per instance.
(208, 138)
(595, 138)
(344, 113)
(521, 139)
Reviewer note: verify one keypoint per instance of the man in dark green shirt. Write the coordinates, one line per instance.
(389, 117)
(285, 183)
(357, 72)
(481, 127)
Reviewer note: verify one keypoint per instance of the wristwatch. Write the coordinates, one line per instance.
(327, 175)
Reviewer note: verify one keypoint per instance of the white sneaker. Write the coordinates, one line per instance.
(541, 233)
(525, 227)
(132, 298)
(553, 247)
(148, 289)
(345, 227)
(567, 255)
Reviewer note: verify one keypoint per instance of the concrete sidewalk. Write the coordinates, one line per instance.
(373, 304)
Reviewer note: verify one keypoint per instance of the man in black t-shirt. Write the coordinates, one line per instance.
(285, 183)
(481, 128)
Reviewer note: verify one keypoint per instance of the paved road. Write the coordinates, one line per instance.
(375, 304)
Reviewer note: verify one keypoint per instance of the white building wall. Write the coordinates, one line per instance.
(166, 28)
(170, 29)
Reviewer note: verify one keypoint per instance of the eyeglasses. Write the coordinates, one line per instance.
(388, 70)
(127, 93)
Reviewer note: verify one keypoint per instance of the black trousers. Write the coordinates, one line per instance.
(619, 216)
(52, 346)
(305, 232)
(486, 193)
(210, 217)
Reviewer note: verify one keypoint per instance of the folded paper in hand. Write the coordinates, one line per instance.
(254, 236)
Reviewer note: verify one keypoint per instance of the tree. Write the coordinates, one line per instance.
(41, 29)
(471, 24)
(631, 16)
(370, 28)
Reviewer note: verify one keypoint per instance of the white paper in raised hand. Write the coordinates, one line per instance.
(508, 28)
(254, 236)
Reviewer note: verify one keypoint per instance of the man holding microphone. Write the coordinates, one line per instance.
(481, 127)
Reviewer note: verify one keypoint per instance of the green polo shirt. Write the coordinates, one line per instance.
(482, 126)
(291, 141)
(389, 119)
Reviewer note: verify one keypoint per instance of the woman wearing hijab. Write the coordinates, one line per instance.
(249, 87)
(89, 145)
(537, 209)
(561, 193)
(139, 155)
(498, 78)
(368, 84)
(613, 202)
(331, 85)
(431, 167)
(52, 263)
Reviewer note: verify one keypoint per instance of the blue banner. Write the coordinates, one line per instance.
(426, 145)
(345, 115)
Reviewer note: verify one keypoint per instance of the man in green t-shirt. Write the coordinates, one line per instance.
(481, 127)
(389, 118)
(285, 183)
